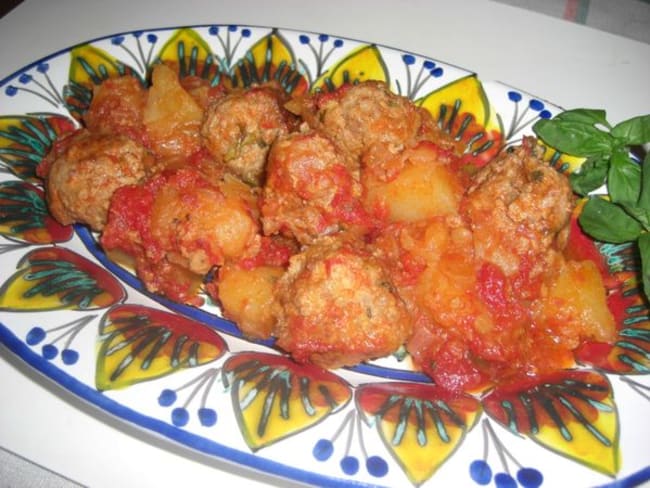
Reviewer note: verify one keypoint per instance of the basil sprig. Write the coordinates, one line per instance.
(625, 215)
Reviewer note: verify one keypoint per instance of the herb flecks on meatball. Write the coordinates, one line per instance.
(336, 306)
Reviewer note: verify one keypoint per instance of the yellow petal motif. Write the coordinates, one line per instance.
(274, 397)
(463, 110)
(138, 343)
(270, 59)
(55, 278)
(421, 425)
(572, 413)
(24, 216)
(467, 91)
(187, 50)
(90, 65)
(594, 445)
(26, 139)
(364, 63)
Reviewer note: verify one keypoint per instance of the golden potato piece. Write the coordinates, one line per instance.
(246, 296)
(172, 117)
(415, 185)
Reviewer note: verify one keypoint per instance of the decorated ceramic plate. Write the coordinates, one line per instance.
(185, 373)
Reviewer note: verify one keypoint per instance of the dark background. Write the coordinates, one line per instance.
(7, 5)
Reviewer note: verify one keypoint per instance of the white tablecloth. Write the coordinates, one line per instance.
(569, 64)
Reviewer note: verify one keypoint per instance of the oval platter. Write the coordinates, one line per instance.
(188, 375)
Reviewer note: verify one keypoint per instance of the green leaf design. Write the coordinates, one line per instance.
(24, 215)
(273, 397)
(26, 139)
(420, 424)
(55, 278)
(270, 59)
(138, 343)
(571, 412)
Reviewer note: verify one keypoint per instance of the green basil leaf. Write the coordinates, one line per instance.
(644, 251)
(608, 222)
(644, 197)
(623, 178)
(584, 115)
(638, 213)
(591, 175)
(575, 138)
(634, 131)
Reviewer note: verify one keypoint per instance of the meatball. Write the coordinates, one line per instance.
(519, 208)
(240, 127)
(311, 189)
(359, 117)
(84, 171)
(180, 222)
(336, 306)
(117, 107)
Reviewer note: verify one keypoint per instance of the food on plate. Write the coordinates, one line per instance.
(85, 168)
(336, 305)
(365, 116)
(172, 116)
(489, 289)
(399, 189)
(346, 225)
(518, 209)
(609, 153)
(247, 295)
(178, 225)
(312, 189)
(117, 108)
(240, 127)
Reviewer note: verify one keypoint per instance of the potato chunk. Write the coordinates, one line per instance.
(576, 305)
(415, 185)
(246, 296)
(171, 116)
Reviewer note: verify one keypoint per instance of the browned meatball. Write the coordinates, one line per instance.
(85, 172)
(519, 209)
(117, 106)
(239, 129)
(311, 189)
(368, 114)
(336, 306)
